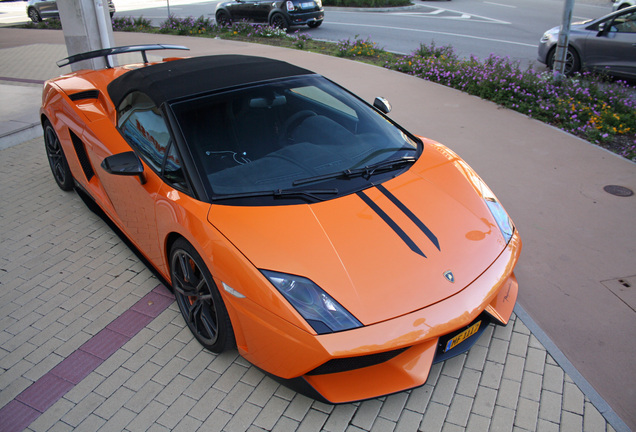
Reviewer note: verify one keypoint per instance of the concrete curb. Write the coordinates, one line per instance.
(20, 135)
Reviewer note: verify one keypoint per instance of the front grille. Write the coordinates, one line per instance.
(352, 363)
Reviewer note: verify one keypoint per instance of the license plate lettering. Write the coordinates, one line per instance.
(462, 336)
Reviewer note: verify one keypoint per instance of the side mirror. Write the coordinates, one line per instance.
(382, 104)
(124, 164)
(604, 28)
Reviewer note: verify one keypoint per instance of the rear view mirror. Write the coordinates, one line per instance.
(382, 104)
(125, 164)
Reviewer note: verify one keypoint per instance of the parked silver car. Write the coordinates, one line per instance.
(606, 44)
(38, 10)
(622, 4)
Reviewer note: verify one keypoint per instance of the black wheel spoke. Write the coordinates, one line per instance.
(185, 271)
(184, 279)
(182, 286)
(210, 324)
(203, 294)
(195, 314)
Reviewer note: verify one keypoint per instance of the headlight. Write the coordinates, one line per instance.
(319, 3)
(319, 309)
(502, 218)
(550, 35)
(290, 6)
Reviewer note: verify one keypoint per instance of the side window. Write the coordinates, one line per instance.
(173, 170)
(625, 23)
(141, 124)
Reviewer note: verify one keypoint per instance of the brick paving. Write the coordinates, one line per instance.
(66, 278)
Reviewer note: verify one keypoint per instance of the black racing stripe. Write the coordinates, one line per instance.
(410, 215)
(390, 222)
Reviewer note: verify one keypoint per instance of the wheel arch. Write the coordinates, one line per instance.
(171, 238)
(277, 11)
(44, 118)
(223, 9)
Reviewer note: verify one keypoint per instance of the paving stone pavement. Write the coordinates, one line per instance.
(65, 276)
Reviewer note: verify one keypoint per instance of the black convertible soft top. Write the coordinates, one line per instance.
(171, 80)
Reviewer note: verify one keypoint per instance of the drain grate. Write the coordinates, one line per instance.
(623, 288)
(620, 191)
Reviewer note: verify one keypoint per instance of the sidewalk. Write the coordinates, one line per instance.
(69, 285)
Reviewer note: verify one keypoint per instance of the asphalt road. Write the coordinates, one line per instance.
(509, 28)
(506, 28)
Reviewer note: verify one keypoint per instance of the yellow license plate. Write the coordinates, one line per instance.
(462, 336)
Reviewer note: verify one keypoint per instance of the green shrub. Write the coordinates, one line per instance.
(129, 24)
(357, 48)
(584, 105)
(47, 24)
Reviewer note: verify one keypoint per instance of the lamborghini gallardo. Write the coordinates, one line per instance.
(294, 222)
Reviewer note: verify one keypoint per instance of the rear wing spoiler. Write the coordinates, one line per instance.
(117, 50)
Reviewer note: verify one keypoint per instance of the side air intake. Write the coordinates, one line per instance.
(87, 94)
(82, 156)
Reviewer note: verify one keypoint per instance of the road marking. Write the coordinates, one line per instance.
(435, 32)
(474, 18)
(502, 5)
(436, 12)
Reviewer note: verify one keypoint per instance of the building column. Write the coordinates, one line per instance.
(87, 27)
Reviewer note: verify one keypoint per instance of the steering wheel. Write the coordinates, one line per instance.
(291, 123)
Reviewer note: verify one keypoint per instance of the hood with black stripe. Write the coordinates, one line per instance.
(381, 252)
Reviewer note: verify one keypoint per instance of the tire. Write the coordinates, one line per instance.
(279, 21)
(57, 160)
(34, 15)
(572, 61)
(223, 18)
(314, 24)
(199, 299)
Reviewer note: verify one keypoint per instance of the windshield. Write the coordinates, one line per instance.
(291, 135)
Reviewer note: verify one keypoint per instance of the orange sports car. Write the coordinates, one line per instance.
(335, 250)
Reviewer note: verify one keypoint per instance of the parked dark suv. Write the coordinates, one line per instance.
(279, 14)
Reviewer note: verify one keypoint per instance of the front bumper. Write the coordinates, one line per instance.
(409, 342)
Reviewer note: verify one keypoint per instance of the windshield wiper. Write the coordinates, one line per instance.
(280, 193)
(366, 171)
